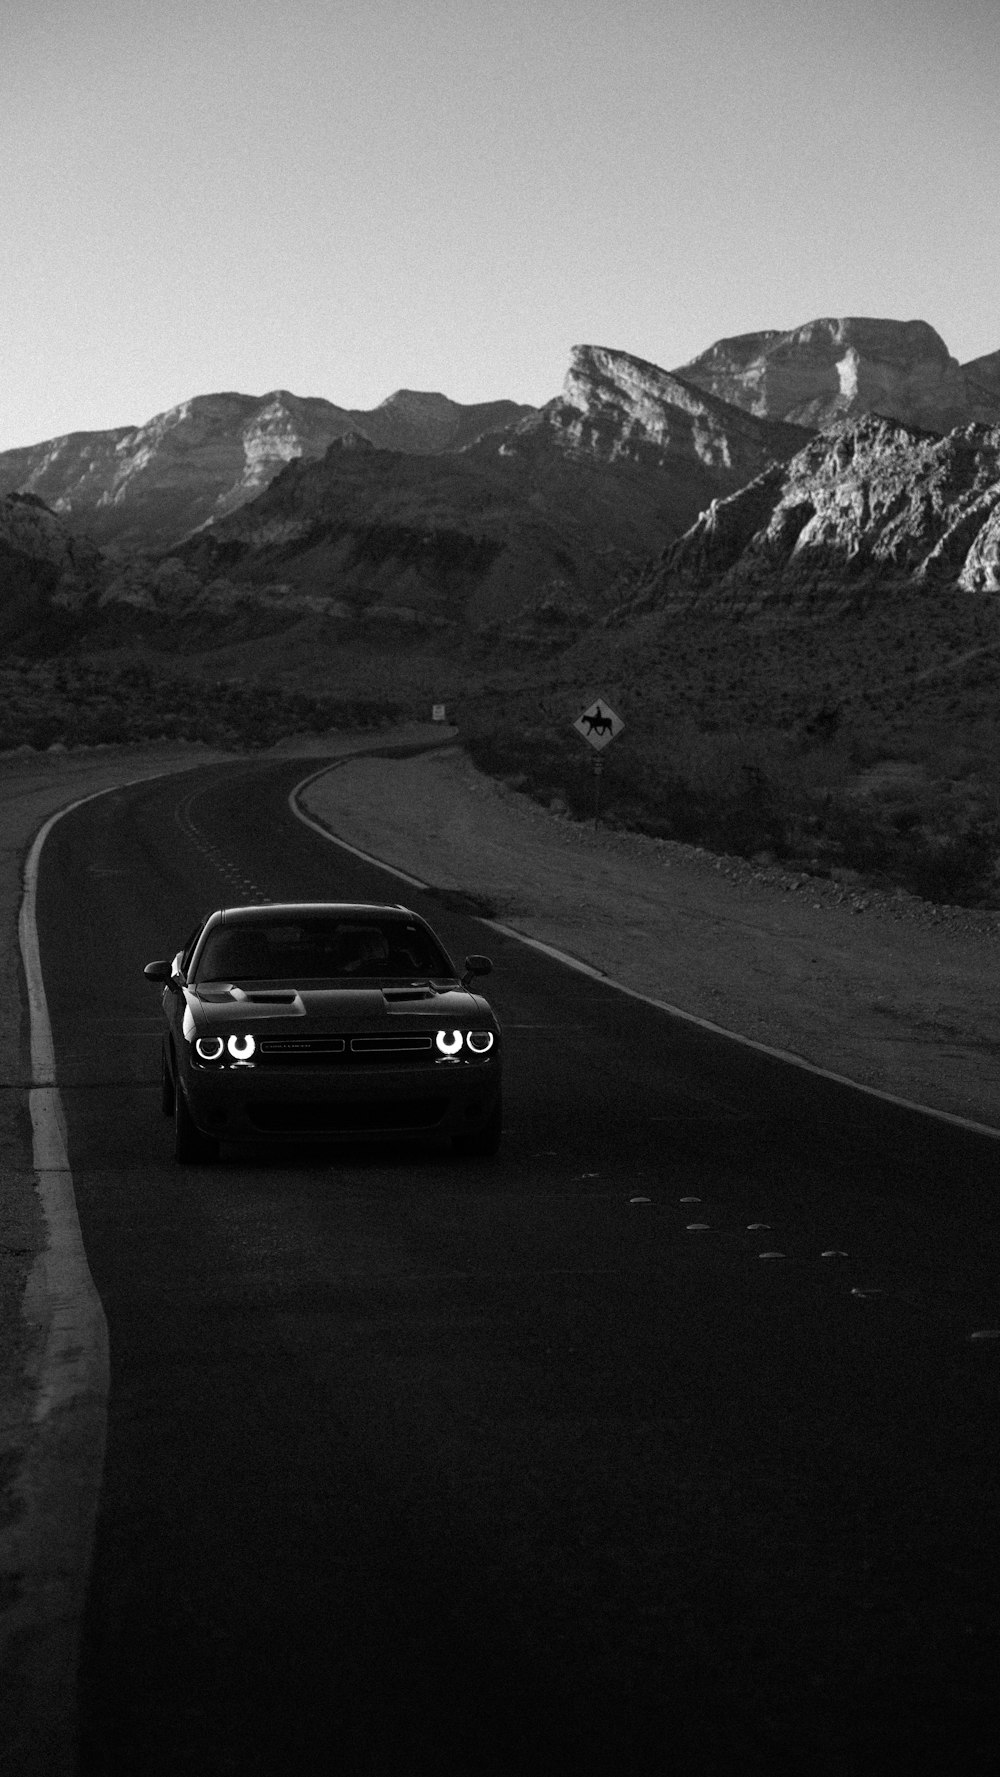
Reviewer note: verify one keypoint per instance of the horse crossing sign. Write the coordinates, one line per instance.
(599, 724)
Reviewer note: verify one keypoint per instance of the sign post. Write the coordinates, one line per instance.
(599, 724)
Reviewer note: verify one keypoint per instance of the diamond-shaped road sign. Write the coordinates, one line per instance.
(599, 724)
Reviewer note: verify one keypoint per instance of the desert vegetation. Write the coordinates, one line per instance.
(70, 701)
(846, 807)
(867, 745)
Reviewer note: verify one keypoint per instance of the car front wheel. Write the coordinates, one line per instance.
(191, 1148)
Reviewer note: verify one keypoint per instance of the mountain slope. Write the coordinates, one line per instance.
(616, 407)
(865, 505)
(832, 369)
(523, 530)
(151, 485)
(44, 568)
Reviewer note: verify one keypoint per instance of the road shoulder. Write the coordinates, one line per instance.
(879, 988)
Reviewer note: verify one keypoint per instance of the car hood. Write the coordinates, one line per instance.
(220, 1006)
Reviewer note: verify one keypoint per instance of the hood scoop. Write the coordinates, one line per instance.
(404, 996)
(259, 1001)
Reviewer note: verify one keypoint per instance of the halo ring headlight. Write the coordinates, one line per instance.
(209, 1048)
(479, 1041)
(449, 1042)
(241, 1048)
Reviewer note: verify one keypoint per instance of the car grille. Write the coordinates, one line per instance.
(338, 1119)
(363, 1050)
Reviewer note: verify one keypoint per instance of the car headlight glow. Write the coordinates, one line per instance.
(449, 1042)
(479, 1041)
(209, 1048)
(241, 1048)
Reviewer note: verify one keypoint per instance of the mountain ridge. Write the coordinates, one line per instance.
(147, 486)
(837, 368)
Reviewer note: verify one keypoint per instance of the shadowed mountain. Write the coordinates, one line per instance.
(151, 485)
(45, 571)
(833, 369)
(529, 529)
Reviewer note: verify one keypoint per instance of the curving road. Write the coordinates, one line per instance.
(504, 1467)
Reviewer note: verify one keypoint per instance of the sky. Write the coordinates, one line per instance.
(346, 197)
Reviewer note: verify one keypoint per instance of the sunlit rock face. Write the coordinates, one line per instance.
(151, 485)
(866, 504)
(614, 406)
(834, 369)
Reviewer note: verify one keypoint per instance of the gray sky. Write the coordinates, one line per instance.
(343, 197)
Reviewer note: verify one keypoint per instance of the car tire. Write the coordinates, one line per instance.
(191, 1148)
(166, 1086)
(486, 1139)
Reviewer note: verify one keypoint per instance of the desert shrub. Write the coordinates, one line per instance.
(744, 790)
(84, 703)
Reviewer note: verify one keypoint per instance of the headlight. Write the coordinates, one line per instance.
(209, 1048)
(241, 1048)
(449, 1042)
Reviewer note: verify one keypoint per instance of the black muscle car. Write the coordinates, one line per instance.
(325, 1021)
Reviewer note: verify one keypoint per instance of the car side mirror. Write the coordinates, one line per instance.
(159, 971)
(476, 965)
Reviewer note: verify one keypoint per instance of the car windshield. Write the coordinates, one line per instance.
(326, 949)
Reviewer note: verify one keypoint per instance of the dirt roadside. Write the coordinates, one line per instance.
(881, 988)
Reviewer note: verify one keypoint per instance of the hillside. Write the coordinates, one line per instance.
(148, 486)
(527, 530)
(811, 672)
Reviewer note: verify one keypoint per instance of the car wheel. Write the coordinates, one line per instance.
(484, 1140)
(191, 1148)
(166, 1086)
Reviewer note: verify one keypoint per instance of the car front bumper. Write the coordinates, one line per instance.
(258, 1104)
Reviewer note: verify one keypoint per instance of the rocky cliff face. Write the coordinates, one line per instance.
(615, 407)
(867, 504)
(149, 486)
(832, 369)
(524, 531)
(42, 565)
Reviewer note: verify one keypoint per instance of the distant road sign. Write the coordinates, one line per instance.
(599, 724)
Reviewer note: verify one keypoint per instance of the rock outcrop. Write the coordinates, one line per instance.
(519, 533)
(43, 566)
(865, 505)
(834, 369)
(151, 485)
(615, 407)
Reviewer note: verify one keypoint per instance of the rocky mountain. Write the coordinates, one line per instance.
(151, 485)
(43, 566)
(522, 531)
(618, 408)
(523, 535)
(834, 369)
(867, 505)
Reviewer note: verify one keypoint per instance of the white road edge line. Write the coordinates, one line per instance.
(65, 1467)
(574, 962)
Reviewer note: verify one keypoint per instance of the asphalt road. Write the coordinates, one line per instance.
(501, 1466)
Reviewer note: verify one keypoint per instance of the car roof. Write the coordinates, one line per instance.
(272, 910)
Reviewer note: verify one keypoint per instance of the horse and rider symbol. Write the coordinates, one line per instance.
(599, 724)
